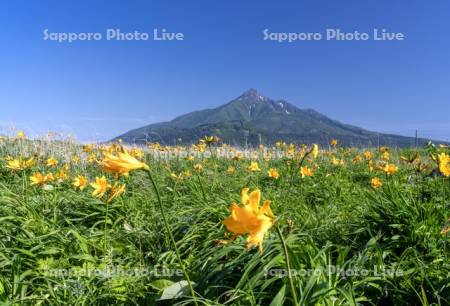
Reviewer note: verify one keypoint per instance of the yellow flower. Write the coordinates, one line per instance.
(201, 147)
(189, 158)
(376, 182)
(410, 158)
(49, 177)
(116, 191)
(21, 135)
(250, 219)
(444, 164)
(370, 164)
(40, 179)
(305, 171)
(337, 162)
(291, 150)
(385, 156)
(91, 158)
(29, 162)
(100, 186)
(315, 151)
(154, 146)
(445, 230)
(136, 152)
(186, 173)
(61, 175)
(333, 142)
(210, 140)
(273, 173)
(37, 179)
(357, 159)
(88, 148)
(80, 182)
(238, 156)
(367, 155)
(390, 169)
(51, 162)
(75, 160)
(231, 169)
(384, 149)
(174, 175)
(122, 163)
(253, 167)
(198, 167)
(17, 164)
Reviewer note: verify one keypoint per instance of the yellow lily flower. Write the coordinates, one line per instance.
(37, 179)
(122, 163)
(231, 169)
(305, 171)
(390, 169)
(367, 155)
(51, 162)
(15, 164)
(116, 191)
(80, 182)
(315, 151)
(88, 148)
(357, 159)
(253, 167)
(376, 182)
(198, 167)
(337, 162)
(61, 175)
(385, 156)
(21, 135)
(18, 164)
(100, 186)
(273, 173)
(444, 164)
(250, 219)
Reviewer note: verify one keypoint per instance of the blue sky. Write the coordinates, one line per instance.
(99, 89)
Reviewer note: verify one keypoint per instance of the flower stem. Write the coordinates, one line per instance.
(201, 188)
(288, 266)
(172, 239)
(106, 229)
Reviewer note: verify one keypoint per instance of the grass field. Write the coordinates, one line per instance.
(345, 226)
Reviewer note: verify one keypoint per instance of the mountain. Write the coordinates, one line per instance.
(253, 118)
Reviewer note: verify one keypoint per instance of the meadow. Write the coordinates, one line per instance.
(208, 224)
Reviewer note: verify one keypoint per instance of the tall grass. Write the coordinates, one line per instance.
(386, 243)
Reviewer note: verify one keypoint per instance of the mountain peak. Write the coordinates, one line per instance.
(253, 94)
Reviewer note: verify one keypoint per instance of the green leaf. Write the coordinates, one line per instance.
(279, 298)
(175, 291)
(161, 284)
